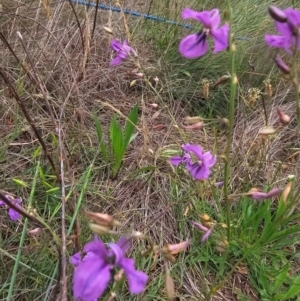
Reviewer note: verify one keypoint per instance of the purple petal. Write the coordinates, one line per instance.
(277, 41)
(188, 13)
(209, 160)
(193, 46)
(75, 259)
(124, 243)
(293, 16)
(283, 28)
(194, 148)
(206, 236)
(2, 203)
(210, 19)
(220, 37)
(96, 247)
(90, 279)
(116, 61)
(116, 45)
(199, 172)
(14, 215)
(116, 252)
(176, 160)
(137, 280)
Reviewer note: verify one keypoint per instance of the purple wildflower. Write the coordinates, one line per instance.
(14, 215)
(207, 231)
(200, 169)
(195, 45)
(122, 51)
(289, 30)
(93, 271)
(257, 195)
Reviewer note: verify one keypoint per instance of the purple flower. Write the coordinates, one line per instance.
(14, 215)
(122, 51)
(93, 271)
(195, 45)
(257, 195)
(289, 30)
(200, 169)
(207, 231)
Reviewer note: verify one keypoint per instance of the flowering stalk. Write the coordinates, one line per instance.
(296, 80)
(233, 83)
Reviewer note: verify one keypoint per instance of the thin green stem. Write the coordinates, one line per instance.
(18, 257)
(296, 80)
(233, 83)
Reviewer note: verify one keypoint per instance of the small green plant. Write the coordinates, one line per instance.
(113, 152)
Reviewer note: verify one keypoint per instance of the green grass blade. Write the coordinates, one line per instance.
(18, 257)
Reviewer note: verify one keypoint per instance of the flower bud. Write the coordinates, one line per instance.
(277, 14)
(198, 125)
(222, 80)
(177, 248)
(283, 118)
(170, 288)
(192, 120)
(99, 229)
(286, 191)
(282, 66)
(34, 232)
(102, 219)
(267, 130)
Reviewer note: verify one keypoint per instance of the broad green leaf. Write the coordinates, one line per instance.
(130, 125)
(116, 137)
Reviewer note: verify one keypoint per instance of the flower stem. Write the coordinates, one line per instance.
(296, 81)
(233, 83)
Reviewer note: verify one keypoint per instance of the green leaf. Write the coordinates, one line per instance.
(100, 139)
(116, 137)
(20, 183)
(294, 289)
(53, 189)
(280, 278)
(130, 125)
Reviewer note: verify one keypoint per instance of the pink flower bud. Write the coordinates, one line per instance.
(283, 118)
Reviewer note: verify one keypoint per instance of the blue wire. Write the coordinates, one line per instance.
(137, 14)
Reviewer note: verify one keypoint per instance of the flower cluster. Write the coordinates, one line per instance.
(14, 215)
(200, 169)
(122, 51)
(287, 23)
(93, 270)
(196, 45)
